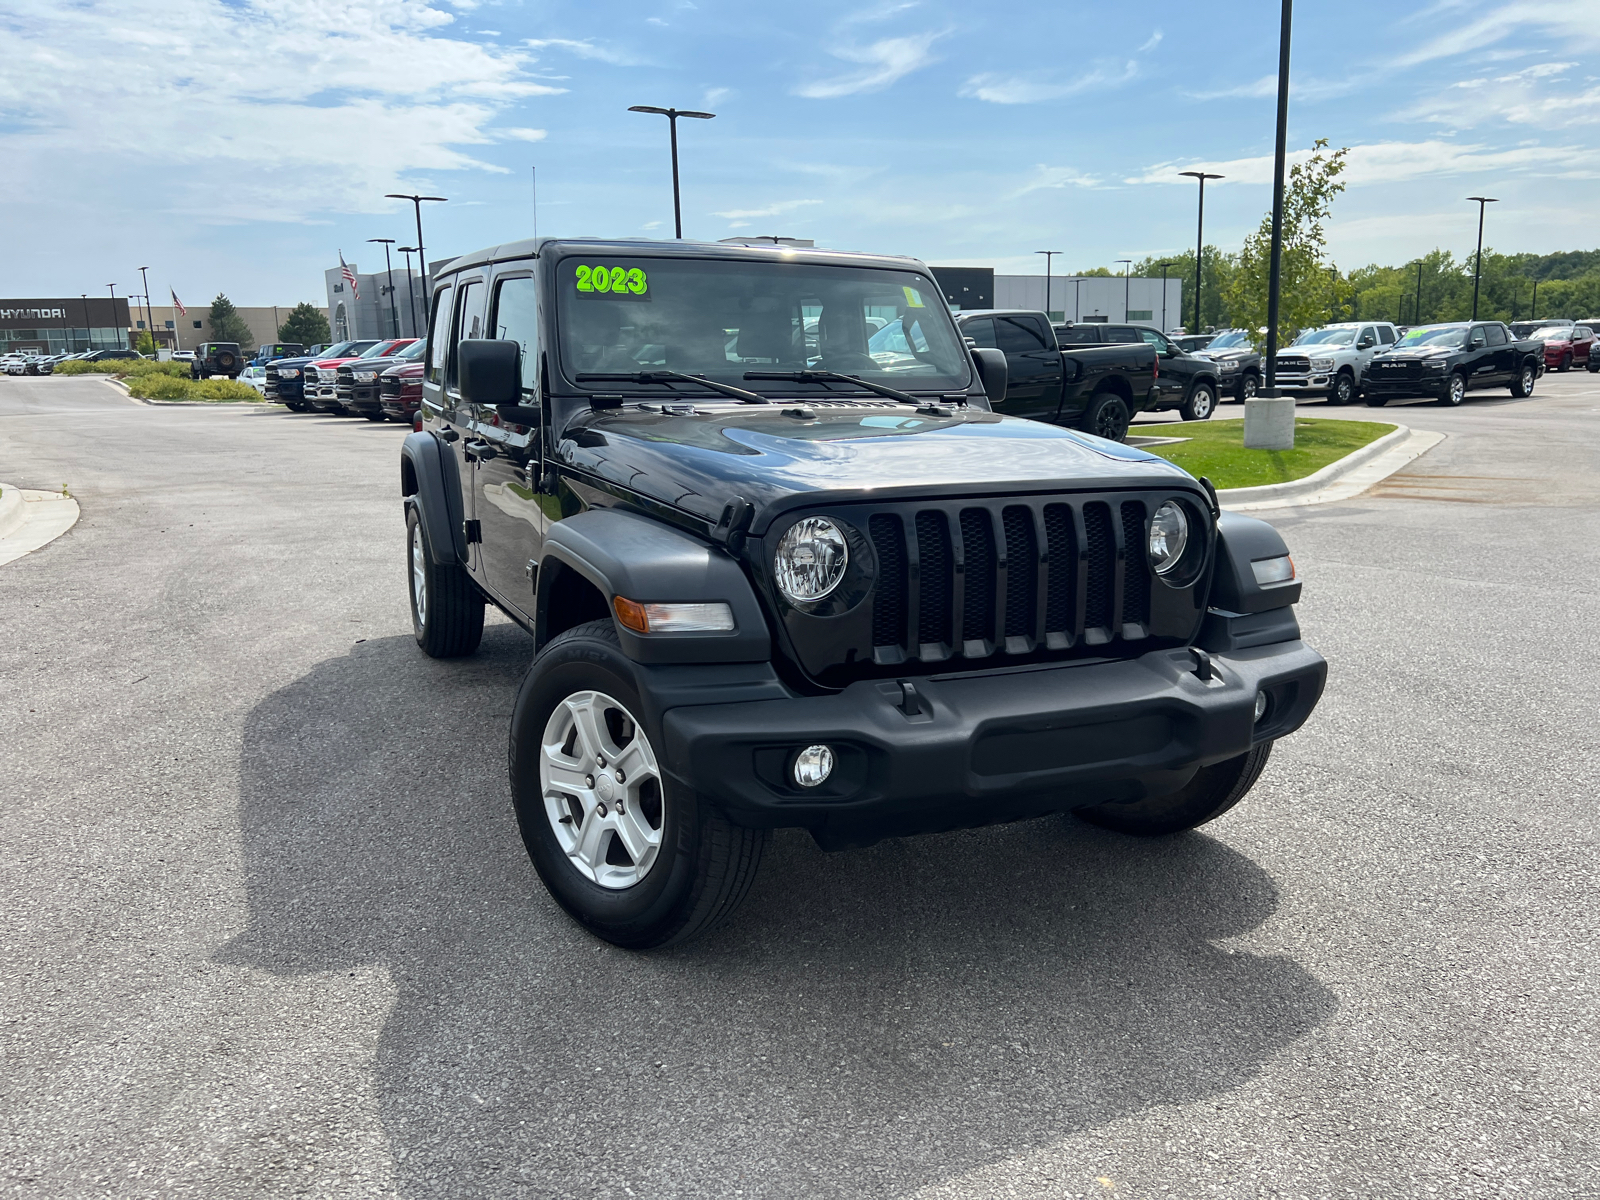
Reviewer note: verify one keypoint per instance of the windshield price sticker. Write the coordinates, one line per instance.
(618, 283)
(913, 297)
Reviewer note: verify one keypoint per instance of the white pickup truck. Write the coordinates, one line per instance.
(1332, 361)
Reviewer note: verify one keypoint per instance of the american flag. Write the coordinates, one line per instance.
(349, 276)
(177, 304)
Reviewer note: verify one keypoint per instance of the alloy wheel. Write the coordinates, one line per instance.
(602, 789)
(419, 576)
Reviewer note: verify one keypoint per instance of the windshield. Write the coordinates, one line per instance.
(413, 352)
(1552, 333)
(380, 350)
(1326, 337)
(1226, 341)
(1435, 335)
(721, 318)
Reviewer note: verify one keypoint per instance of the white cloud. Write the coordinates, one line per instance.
(1523, 20)
(231, 113)
(713, 95)
(1151, 42)
(1057, 177)
(1523, 98)
(882, 63)
(523, 135)
(1393, 162)
(739, 218)
(1025, 89)
(585, 49)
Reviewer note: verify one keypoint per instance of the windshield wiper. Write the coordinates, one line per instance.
(727, 389)
(836, 377)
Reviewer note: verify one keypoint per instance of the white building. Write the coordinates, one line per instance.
(370, 315)
(1096, 298)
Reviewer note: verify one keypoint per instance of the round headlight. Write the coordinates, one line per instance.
(811, 559)
(1169, 535)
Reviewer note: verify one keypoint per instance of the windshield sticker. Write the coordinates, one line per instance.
(620, 283)
(913, 298)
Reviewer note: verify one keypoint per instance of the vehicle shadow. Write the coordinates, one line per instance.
(868, 1022)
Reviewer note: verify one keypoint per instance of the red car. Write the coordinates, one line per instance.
(400, 391)
(1565, 345)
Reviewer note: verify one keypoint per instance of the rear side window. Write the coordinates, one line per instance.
(1386, 334)
(1497, 334)
(1077, 335)
(1122, 333)
(981, 331)
(516, 319)
(439, 336)
(1018, 335)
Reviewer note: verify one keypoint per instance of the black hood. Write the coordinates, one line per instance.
(697, 460)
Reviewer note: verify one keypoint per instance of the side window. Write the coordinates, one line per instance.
(516, 319)
(439, 336)
(1583, 332)
(1154, 338)
(981, 331)
(469, 324)
(1016, 335)
(1497, 334)
(1368, 337)
(1122, 334)
(1077, 335)
(1386, 334)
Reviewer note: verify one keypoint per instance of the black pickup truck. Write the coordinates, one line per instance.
(780, 571)
(1448, 361)
(1093, 387)
(1185, 380)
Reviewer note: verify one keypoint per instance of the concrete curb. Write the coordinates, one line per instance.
(11, 511)
(1341, 480)
(45, 516)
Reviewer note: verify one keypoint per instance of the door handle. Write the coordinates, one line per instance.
(480, 451)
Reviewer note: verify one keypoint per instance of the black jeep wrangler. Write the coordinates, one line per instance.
(217, 358)
(783, 571)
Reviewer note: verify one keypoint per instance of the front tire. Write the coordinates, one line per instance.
(446, 609)
(1566, 363)
(630, 854)
(1212, 792)
(1107, 416)
(1248, 386)
(1522, 385)
(1455, 391)
(1200, 403)
(1344, 389)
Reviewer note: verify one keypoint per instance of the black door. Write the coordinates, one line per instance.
(1483, 369)
(470, 297)
(1175, 368)
(1033, 365)
(1505, 354)
(506, 501)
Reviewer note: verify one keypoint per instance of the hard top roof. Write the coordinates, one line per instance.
(658, 248)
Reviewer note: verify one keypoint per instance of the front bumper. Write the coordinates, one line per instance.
(1306, 385)
(360, 397)
(974, 749)
(1432, 384)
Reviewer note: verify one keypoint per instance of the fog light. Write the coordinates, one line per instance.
(813, 765)
(1261, 706)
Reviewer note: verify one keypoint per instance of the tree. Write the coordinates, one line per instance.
(228, 326)
(306, 326)
(1309, 285)
(1215, 275)
(144, 343)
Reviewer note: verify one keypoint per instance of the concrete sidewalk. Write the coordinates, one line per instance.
(31, 519)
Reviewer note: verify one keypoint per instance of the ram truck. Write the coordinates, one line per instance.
(1448, 361)
(1333, 360)
(777, 578)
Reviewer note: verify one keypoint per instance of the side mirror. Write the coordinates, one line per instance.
(490, 372)
(992, 372)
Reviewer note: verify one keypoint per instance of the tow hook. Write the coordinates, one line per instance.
(1204, 669)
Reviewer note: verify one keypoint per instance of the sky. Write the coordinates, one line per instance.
(239, 146)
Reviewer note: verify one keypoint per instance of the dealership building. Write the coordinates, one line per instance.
(61, 326)
(1095, 299)
(368, 309)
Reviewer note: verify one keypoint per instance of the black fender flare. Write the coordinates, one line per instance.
(1243, 540)
(644, 560)
(430, 481)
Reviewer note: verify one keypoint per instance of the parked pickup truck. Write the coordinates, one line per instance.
(777, 578)
(1096, 388)
(1448, 361)
(1333, 360)
(1185, 380)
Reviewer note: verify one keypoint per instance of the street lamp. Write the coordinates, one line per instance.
(1126, 263)
(1199, 238)
(672, 115)
(422, 262)
(394, 315)
(1477, 270)
(1164, 264)
(1534, 315)
(1048, 256)
(113, 288)
(411, 287)
(1269, 419)
(149, 313)
(88, 330)
(1416, 307)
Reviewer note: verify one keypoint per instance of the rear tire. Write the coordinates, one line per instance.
(1566, 363)
(1199, 404)
(1522, 386)
(695, 867)
(1107, 416)
(1212, 792)
(446, 609)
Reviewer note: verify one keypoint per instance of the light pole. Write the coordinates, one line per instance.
(1126, 263)
(422, 261)
(411, 287)
(113, 288)
(1165, 263)
(394, 314)
(1273, 425)
(1416, 307)
(1199, 238)
(1534, 315)
(672, 115)
(1048, 256)
(1477, 270)
(88, 330)
(149, 313)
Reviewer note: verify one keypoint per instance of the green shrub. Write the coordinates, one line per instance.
(123, 368)
(223, 389)
(75, 366)
(154, 386)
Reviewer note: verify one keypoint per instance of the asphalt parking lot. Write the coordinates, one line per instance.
(269, 929)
